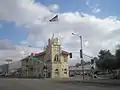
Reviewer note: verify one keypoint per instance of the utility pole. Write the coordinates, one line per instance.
(81, 56)
(81, 53)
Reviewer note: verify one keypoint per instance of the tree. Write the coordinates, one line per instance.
(117, 54)
(93, 60)
(77, 64)
(106, 61)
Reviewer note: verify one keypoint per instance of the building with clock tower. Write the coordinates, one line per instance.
(56, 60)
(52, 62)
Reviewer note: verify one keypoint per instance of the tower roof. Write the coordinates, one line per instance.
(40, 54)
(65, 52)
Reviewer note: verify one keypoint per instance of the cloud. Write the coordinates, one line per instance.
(22, 11)
(87, 2)
(53, 8)
(40, 44)
(96, 10)
(6, 44)
(19, 53)
(86, 43)
(14, 52)
(97, 33)
(24, 42)
(94, 7)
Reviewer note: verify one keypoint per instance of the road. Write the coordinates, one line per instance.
(47, 84)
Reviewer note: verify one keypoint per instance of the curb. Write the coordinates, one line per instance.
(98, 82)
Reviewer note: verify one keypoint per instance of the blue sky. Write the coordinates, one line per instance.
(14, 33)
(108, 7)
(10, 31)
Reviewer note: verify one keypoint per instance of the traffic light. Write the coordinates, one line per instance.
(92, 67)
(81, 55)
(70, 55)
(92, 61)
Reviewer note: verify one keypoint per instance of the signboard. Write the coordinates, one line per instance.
(37, 59)
(34, 58)
(9, 60)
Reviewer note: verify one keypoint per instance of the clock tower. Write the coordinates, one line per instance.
(59, 60)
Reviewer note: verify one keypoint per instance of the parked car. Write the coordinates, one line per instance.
(2, 74)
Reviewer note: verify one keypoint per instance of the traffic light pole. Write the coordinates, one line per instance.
(81, 56)
(81, 53)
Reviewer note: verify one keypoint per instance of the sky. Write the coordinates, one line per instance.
(26, 22)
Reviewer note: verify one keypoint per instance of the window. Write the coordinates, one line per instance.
(34, 69)
(31, 69)
(56, 58)
(38, 69)
(65, 59)
(65, 69)
(45, 67)
(65, 72)
(34, 61)
(56, 72)
(38, 62)
(55, 50)
(56, 69)
(26, 60)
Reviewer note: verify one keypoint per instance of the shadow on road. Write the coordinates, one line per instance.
(70, 82)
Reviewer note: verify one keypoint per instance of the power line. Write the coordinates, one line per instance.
(85, 54)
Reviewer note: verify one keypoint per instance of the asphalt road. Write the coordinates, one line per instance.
(47, 84)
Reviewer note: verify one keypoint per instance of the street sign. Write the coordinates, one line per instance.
(37, 59)
(34, 58)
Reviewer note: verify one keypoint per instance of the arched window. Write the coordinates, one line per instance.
(65, 58)
(65, 71)
(56, 71)
(56, 58)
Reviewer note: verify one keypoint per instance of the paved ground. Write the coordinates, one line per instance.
(41, 84)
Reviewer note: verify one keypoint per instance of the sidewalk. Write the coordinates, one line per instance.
(101, 81)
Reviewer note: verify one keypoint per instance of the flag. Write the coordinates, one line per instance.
(55, 18)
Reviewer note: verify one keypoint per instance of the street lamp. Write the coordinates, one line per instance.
(81, 52)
